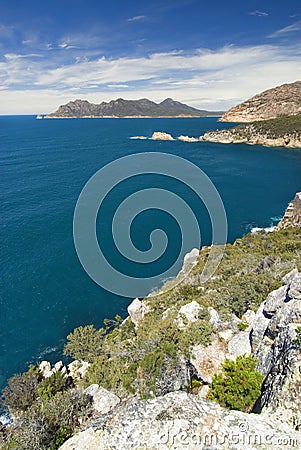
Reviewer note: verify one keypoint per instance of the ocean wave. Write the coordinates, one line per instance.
(138, 137)
(6, 419)
(267, 229)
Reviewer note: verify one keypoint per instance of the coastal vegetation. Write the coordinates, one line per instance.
(146, 360)
(238, 386)
(284, 131)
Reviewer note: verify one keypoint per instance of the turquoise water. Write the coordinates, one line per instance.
(44, 164)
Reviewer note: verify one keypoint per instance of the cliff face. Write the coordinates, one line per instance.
(180, 420)
(292, 216)
(128, 108)
(279, 101)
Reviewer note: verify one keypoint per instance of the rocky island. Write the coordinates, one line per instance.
(121, 108)
(214, 365)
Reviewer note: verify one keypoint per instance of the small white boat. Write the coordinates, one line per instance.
(39, 116)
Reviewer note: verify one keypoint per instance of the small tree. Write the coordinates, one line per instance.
(51, 385)
(85, 343)
(47, 425)
(21, 391)
(239, 386)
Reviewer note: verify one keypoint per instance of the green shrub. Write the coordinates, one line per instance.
(46, 425)
(21, 391)
(51, 385)
(85, 343)
(239, 386)
(242, 326)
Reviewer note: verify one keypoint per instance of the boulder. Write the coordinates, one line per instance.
(45, 369)
(274, 301)
(208, 360)
(180, 421)
(239, 345)
(102, 400)
(137, 311)
(188, 313)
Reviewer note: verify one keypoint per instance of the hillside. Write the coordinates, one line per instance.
(128, 108)
(149, 380)
(275, 102)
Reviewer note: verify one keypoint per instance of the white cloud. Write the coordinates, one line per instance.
(287, 30)
(136, 18)
(258, 13)
(203, 78)
(118, 86)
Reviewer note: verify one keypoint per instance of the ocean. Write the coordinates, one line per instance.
(44, 164)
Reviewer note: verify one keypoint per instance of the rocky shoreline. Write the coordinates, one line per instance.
(178, 416)
(235, 137)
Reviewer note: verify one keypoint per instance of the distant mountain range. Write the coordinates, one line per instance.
(129, 108)
(279, 101)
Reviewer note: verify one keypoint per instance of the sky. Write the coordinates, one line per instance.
(208, 54)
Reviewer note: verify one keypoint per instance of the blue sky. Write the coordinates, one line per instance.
(210, 55)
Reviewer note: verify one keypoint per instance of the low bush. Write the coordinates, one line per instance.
(238, 386)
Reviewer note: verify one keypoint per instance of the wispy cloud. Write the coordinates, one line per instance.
(258, 13)
(118, 86)
(136, 18)
(202, 77)
(295, 27)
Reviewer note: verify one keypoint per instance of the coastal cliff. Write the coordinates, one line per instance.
(148, 381)
(275, 102)
(281, 132)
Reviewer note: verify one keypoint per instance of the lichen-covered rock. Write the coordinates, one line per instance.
(208, 360)
(188, 313)
(180, 421)
(274, 301)
(239, 345)
(102, 400)
(292, 215)
(137, 311)
(281, 389)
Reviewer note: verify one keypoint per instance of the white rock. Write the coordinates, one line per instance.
(190, 311)
(137, 311)
(58, 366)
(45, 369)
(226, 334)
(239, 345)
(77, 369)
(208, 360)
(103, 400)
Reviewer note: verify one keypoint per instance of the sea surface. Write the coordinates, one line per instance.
(44, 164)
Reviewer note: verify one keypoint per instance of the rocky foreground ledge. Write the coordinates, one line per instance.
(181, 420)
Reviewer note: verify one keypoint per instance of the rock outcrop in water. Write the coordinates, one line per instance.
(276, 102)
